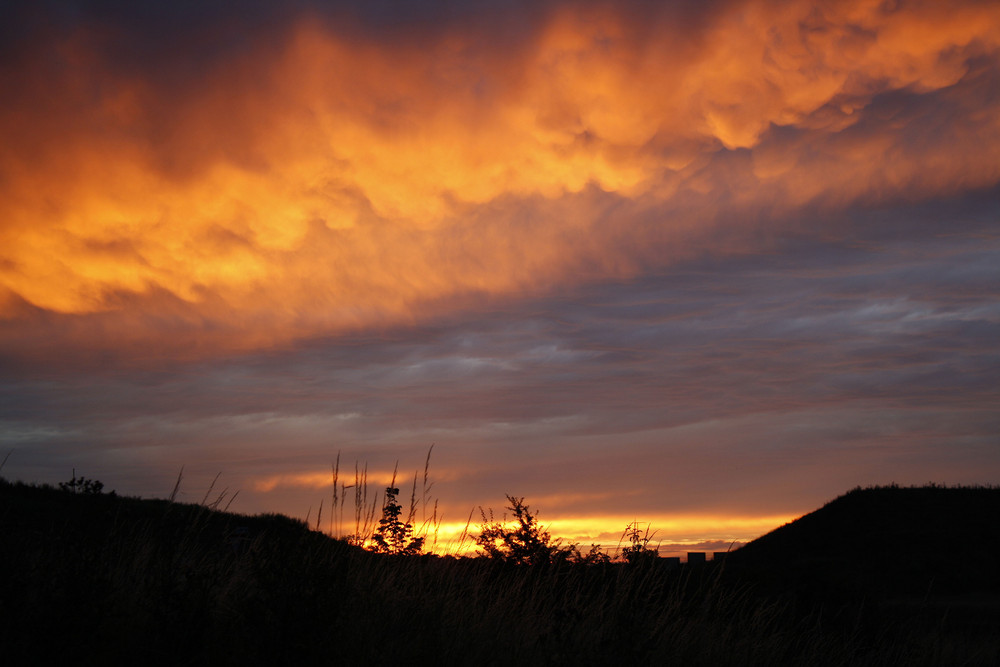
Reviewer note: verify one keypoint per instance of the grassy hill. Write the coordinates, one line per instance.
(127, 581)
(99, 579)
(889, 541)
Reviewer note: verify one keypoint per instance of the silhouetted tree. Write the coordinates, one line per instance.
(524, 543)
(394, 536)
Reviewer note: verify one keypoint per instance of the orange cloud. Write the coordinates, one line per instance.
(334, 183)
(374, 480)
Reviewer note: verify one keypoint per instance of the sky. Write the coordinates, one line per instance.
(702, 265)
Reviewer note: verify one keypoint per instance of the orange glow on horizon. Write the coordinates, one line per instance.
(349, 184)
(454, 522)
(672, 534)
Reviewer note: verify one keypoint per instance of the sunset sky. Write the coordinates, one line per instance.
(705, 265)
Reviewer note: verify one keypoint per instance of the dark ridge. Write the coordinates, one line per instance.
(43, 517)
(101, 579)
(120, 580)
(887, 547)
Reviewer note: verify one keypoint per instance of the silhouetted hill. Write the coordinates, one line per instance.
(124, 580)
(886, 543)
(101, 579)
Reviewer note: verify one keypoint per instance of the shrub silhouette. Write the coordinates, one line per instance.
(394, 536)
(637, 550)
(526, 543)
(593, 557)
(82, 485)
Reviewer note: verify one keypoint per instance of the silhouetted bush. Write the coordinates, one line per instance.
(525, 543)
(393, 536)
(82, 485)
(637, 550)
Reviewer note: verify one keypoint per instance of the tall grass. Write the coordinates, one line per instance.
(100, 579)
(124, 581)
(366, 514)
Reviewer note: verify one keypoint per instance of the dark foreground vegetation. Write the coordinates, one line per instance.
(882, 576)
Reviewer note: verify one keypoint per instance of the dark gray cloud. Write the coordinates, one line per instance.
(744, 381)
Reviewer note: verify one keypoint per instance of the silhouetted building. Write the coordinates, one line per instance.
(696, 557)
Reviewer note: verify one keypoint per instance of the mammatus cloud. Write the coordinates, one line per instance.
(323, 178)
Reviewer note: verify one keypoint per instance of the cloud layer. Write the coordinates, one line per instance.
(320, 178)
(705, 263)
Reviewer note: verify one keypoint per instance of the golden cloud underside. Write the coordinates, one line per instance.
(341, 183)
